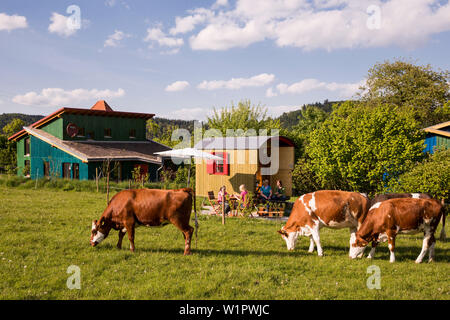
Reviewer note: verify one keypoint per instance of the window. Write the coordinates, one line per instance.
(76, 171)
(80, 132)
(66, 170)
(46, 169)
(132, 133)
(108, 133)
(91, 135)
(27, 146)
(219, 167)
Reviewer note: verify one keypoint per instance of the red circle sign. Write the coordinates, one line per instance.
(72, 130)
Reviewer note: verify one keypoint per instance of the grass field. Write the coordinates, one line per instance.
(43, 232)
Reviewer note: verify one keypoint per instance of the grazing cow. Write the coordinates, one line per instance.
(325, 208)
(149, 207)
(388, 218)
(387, 196)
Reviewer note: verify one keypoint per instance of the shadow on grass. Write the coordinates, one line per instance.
(402, 253)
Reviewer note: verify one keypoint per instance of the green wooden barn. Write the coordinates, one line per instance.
(72, 143)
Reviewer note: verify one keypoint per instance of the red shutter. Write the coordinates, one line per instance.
(210, 166)
(226, 166)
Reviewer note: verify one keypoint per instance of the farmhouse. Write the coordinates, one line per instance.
(246, 160)
(71, 143)
(437, 136)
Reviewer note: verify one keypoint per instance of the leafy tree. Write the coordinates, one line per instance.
(289, 120)
(361, 148)
(242, 118)
(14, 126)
(164, 136)
(310, 118)
(402, 83)
(303, 177)
(8, 153)
(431, 176)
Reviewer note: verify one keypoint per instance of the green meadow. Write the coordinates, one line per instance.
(43, 232)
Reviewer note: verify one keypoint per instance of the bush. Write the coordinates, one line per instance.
(430, 176)
(303, 178)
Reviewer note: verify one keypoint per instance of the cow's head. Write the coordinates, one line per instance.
(98, 232)
(357, 247)
(290, 237)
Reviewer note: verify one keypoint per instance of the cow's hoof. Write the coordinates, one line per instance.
(418, 261)
(187, 253)
(430, 260)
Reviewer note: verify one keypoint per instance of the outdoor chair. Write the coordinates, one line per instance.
(217, 208)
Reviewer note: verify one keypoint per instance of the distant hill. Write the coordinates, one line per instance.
(6, 118)
(290, 119)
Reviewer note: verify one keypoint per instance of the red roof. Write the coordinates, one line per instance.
(101, 105)
(101, 108)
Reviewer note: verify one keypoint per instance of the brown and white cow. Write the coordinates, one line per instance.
(395, 216)
(387, 196)
(149, 207)
(325, 208)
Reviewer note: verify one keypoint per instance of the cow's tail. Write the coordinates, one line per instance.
(442, 236)
(196, 220)
(191, 191)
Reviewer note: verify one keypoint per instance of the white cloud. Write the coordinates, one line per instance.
(220, 3)
(188, 23)
(61, 25)
(114, 39)
(60, 97)
(270, 93)
(177, 86)
(189, 114)
(156, 34)
(343, 89)
(9, 23)
(238, 83)
(319, 24)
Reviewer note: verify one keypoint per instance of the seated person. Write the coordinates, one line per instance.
(265, 192)
(221, 198)
(280, 192)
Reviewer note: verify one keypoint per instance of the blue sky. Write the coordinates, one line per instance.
(179, 59)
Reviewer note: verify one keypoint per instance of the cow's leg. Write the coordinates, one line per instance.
(311, 244)
(130, 228)
(187, 242)
(316, 237)
(353, 240)
(425, 245)
(372, 251)
(119, 243)
(187, 231)
(391, 245)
